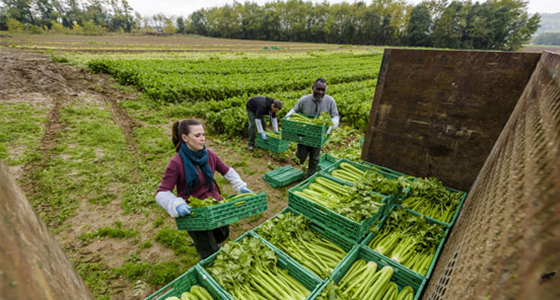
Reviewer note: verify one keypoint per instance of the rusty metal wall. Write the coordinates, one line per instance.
(506, 241)
(438, 113)
(32, 265)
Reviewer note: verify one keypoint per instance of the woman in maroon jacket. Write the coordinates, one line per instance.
(191, 171)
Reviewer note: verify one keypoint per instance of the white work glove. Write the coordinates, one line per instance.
(329, 130)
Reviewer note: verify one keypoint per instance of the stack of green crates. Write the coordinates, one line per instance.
(329, 219)
(272, 144)
(283, 176)
(304, 133)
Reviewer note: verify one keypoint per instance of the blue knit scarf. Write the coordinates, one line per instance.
(191, 159)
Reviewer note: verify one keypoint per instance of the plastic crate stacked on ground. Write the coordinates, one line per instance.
(326, 161)
(282, 176)
(372, 235)
(272, 144)
(183, 283)
(330, 235)
(210, 217)
(455, 214)
(401, 276)
(329, 219)
(306, 278)
(392, 198)
(304, 133)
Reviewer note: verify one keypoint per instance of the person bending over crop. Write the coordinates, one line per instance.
(256, 108)
(191, 171)
(314, 105)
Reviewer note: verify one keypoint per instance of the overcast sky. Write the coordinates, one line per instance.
(186, 7)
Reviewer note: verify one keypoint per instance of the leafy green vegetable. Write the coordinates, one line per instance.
(248, 270)
(293, 235)
(429, 197)
(409, 240)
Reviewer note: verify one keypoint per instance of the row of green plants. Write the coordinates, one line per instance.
(240, 77)
(224, 67)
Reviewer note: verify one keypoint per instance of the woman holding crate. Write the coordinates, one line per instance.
(191, 171)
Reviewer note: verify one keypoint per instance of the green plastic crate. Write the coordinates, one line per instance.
(206, 218)
(305, 134)
(327, 218)
(455, 214)
(326, 161)
(183, 283)
(372, 235)
(306, 278)
(393, 198)
(341, 241)
(283, 176)
(272, 144)
(402, 277)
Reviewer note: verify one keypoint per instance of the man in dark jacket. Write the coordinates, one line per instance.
(257, 107)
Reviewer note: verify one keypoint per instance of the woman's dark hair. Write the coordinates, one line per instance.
(180, 128)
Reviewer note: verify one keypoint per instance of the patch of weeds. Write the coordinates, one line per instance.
(158, 222)
(178, 241)
(96, 276)
(241, 163)
(59, 59)
(155, 275)
(111, 232)
(123, 88)
(140, 196)
(145, 245)
(133, 270)
(21, 126)
(133, 257)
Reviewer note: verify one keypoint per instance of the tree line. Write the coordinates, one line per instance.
(493, 25)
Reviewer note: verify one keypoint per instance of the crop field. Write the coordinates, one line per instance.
(85, 128)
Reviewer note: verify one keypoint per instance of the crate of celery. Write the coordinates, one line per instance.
(249, 269)
(209, 213)
(191, 285)
(348, 210)
(273, 143)
(370, 178)
(306, 130)
(363, 275)
(412, 241)
(428, 197)
(317, 249)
